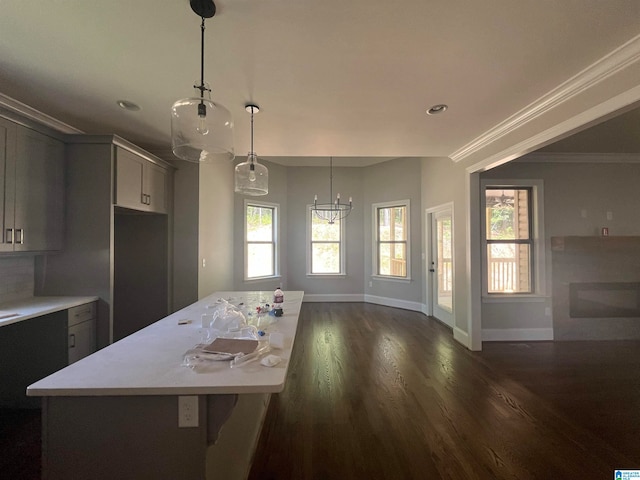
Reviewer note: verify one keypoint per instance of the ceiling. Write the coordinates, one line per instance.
(351, 79)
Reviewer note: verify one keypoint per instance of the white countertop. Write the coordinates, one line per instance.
(37, 306)
(148, 362)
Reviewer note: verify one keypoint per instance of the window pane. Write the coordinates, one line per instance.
(260, 260)
(399, 223)
(392, 259)
(322, 231)
(392, 224)
(325, 258)
(507, 214)
(259, 224)
(445, 263)
(509, 268)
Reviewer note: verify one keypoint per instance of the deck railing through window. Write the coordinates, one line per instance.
(445, 282)
(503, 275)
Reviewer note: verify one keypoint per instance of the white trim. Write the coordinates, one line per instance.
(622, 58)
(342, 245)
(568, 157)
(394, 302)
(275, 226)
(516, 334)
(462, 337)
(539, 251)
(35, 115)
(392, 279)
(374, 225)
(333, 297)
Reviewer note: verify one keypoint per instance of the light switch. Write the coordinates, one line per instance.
(609, 215)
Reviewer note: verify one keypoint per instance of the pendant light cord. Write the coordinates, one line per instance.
(201, 87)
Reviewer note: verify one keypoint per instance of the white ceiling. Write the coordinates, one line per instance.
(348, 78)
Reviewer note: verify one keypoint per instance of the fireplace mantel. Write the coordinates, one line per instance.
(599, 275)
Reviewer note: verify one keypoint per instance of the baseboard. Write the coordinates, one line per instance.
(394, 302)
(516, 334)
(462, 337)
(332, 297)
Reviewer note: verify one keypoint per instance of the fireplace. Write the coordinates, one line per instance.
(596, 288)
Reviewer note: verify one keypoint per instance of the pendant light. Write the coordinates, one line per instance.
(251, 178)
(330, 212)
(201, 130)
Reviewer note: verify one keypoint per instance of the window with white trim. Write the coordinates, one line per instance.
(391, 240)
(513, 258)
(326, 248)
(260, 227)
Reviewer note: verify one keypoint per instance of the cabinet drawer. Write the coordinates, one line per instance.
(81, 313)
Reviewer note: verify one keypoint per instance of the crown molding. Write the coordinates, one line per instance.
(31, 113)
(619, 59)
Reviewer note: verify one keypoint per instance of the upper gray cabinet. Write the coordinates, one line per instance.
(140, 183)
(31, 190)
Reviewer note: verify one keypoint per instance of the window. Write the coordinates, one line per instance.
(391, 235)
(513, 257)
(326, 246)
(260, 240)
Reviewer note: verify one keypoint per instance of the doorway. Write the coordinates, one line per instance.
(440, 261)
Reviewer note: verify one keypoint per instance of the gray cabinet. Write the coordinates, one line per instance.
(32, 188)
(81, 331)
(140, 184)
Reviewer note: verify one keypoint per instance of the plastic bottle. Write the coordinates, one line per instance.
(278, 300)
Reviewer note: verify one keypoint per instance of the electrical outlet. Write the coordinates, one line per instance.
(187, 411)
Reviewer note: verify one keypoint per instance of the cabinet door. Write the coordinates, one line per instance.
(156, 188)
(39, 192)
(129, 168)
(82, 340)
(7, 183)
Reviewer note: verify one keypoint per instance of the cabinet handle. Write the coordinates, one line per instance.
(20, 236)
(72, 340)
(148, 199)
(9, 235)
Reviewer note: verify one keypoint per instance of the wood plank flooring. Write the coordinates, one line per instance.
(381, 393)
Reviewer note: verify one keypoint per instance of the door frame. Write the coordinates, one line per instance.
(430, 214)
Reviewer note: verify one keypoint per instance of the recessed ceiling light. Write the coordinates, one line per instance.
(127, 105)
(437, 109)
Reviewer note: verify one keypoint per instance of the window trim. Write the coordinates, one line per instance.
(276, 236)
(374, 225)
(342, 247)
(536, 228)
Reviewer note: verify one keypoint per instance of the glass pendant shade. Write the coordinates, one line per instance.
(251, 178)
(201, 130)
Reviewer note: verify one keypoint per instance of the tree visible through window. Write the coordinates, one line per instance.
(509, 240)
(260, 241)
(391, 240)
(326, 246)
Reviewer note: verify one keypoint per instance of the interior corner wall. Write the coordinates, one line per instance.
(577, 197)
(444, 181)
(302, 184)
(278, 195)
(397, 179)
(185, 234)
(216, 219)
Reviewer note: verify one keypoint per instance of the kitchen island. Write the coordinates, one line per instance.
(115, 413)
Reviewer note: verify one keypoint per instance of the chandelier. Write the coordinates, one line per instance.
(251, 178)
(330, 212)
(201, 130)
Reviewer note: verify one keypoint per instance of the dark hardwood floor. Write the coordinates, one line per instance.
(381, 393)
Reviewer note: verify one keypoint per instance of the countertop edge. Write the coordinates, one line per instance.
(39, 306)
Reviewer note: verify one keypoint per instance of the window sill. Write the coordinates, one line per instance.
(262, 279)
(326, 275)
(392, 279)
(515, 298)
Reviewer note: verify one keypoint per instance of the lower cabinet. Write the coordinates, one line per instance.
(29, 351)
(81, 331)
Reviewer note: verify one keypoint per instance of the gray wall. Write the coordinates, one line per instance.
(569, 189)
(278, 195)
(444, 181)
(397, 179)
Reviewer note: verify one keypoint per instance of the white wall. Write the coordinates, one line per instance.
(16, 278)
